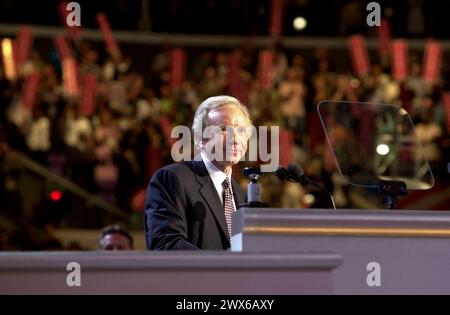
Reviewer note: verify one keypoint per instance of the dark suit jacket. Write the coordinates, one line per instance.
(184, 211)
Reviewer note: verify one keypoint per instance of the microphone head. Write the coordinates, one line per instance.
(252, 172)
(295, 170)
(282, 173)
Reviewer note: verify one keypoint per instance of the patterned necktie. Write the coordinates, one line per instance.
(227, 203)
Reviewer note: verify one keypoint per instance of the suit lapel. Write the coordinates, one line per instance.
(209, 194)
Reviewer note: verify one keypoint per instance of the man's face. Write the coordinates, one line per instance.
(231, 136)
(115, 241)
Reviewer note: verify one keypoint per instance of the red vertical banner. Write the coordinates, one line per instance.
(154, 157)
(177, 68)
(87, 106)
(237, 85)
(276, 17)
(69, 66)
(24, 43)
(111, 45)
(62, 47)
(166, 128)
(446, 101)
(74, 31)
(137, 202)
(432, 61)
(366, 128)
(70, 76)
(399, 59)
(359, 55)
(265, 67)
(384, 37)
(286, 143)
(315, 131)
(29, 90)
(234, 63)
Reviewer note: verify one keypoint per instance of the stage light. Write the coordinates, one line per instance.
(8, 59)
(299, 23)
(56, 195)
(309, 199)
(382, 149)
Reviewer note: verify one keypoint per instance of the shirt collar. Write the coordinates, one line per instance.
(216, 175)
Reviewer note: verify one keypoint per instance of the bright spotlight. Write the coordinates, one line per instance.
(309, 199)
(382, 149)
(299, 23)
(402, 111)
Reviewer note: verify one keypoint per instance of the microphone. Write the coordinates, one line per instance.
(295, 173)
(254, 199)
(253, 188)
(282, 173)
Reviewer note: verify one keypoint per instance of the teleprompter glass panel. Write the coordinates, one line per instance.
(374, 142)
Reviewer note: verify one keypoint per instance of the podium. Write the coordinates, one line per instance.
(167, 273)
(384, 251)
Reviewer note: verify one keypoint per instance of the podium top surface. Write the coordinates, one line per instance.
(168, 260)
(402, 223)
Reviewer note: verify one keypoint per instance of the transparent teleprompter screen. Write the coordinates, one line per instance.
(374, 142)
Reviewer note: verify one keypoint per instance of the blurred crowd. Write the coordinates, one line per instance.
(114, 152)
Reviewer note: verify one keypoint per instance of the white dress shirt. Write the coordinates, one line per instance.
(217, 177)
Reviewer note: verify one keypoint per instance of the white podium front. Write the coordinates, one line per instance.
(168, 273)
(384, 251)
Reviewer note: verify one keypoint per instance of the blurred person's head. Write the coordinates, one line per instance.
(221, 58)
(298, 60)
(105, 116)
(115, 237)
(416, 69)
(292, 74)
(165, 90)
(377, 69)
(91, 56)
(210, 73)
(324, 65)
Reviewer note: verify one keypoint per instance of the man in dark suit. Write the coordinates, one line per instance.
(189, 204)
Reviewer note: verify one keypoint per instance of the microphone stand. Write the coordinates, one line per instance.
(323, 189)
(253, 189)
(392, 189)
(294, 173)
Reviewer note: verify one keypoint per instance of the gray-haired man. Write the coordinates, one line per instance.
(189, 204)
